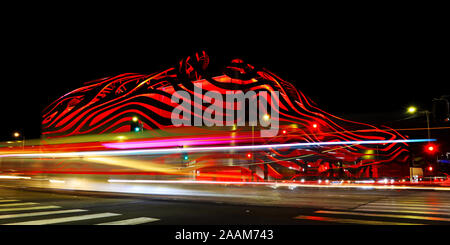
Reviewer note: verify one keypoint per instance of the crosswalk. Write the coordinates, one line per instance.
(16, 212)
(389, 211)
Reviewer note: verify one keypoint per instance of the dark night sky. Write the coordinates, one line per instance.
(346, 73)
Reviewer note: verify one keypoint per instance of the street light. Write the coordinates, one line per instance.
(414, 110)
(17, 135)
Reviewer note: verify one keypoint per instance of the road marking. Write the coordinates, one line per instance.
(66, 219)
(431, 199)
(136, 221)
(445, 204)
(415, 201)
(18, 204)
(28, 208)
(11, 216)
(405, 208)
(408, 205)
(402, 211)
(9, 201)
(385, 215)
(352, 221)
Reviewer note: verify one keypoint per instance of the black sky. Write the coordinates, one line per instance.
(356, 72)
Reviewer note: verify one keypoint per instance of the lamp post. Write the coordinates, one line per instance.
(17, 135)
(266, 168)
(413, 110)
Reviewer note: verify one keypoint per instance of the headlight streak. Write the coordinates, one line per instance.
(172, 143)
(281, 184)
(148, 166)
(205, 149)
(13, 177)
(57, 181)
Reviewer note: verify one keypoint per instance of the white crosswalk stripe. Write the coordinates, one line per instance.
(136, 221)
(384, 215)
(388, 212)
(404, 211)
(28, 208)
(65, 219)
(413, 202)
(371, 206)
(409, 205)
(3, 201)
(352, 221)
(14, 205)
(425, 202)
(13, 216)
(17, 204)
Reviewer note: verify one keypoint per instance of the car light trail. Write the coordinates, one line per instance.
(171, 143)
(277, 184)
(57, 181)
(207, 149)
(13, 177)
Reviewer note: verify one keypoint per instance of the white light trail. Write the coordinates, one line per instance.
(13, 177)
(278, 184)
(205, 149)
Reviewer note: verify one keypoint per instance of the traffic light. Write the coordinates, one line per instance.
(249, 155)
(185, 161)
(136, 125)
(431, 149)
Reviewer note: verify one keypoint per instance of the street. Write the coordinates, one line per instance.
(22, 206)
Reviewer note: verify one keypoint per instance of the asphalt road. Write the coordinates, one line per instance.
(22, 206)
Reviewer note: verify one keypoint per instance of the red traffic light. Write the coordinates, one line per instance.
(284, 132)
(315, 125)
(431, 148)
(430, 168)
(249, 155)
